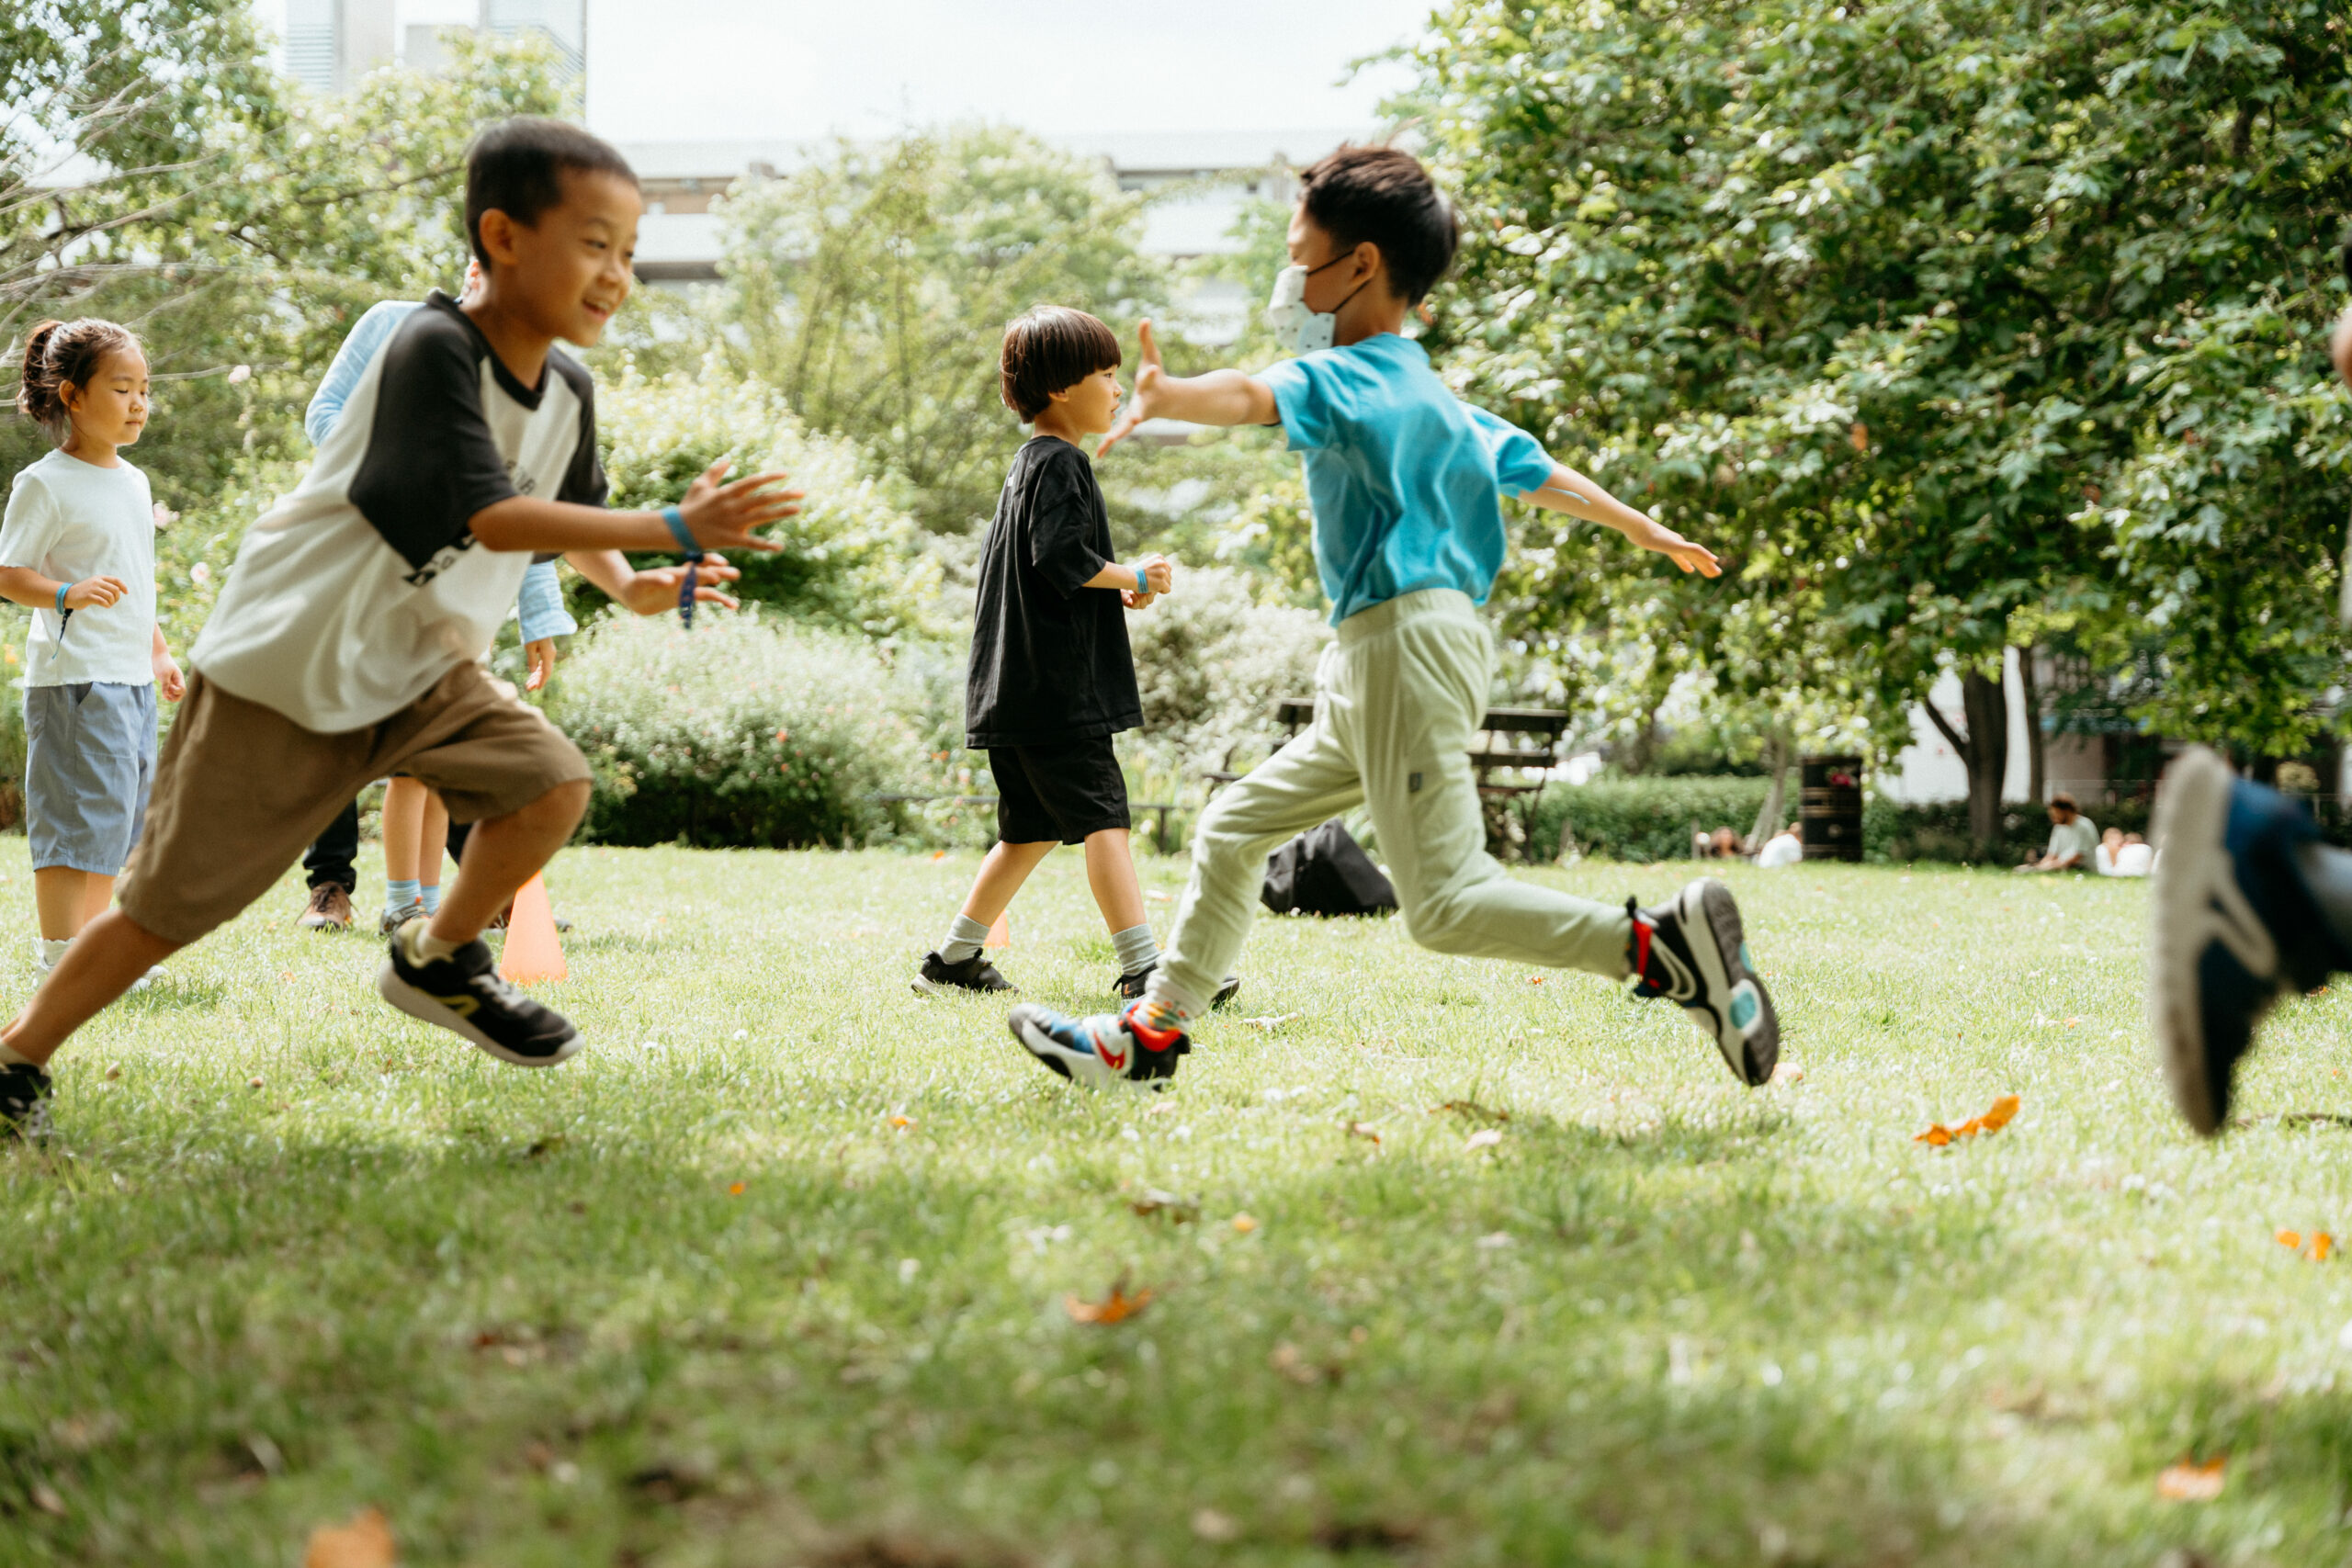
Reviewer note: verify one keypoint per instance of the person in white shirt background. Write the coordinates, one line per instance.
(77, 547)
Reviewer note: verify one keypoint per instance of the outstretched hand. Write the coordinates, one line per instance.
(1144, 404)
(1683, 552)
(655, 590)
(722, 515)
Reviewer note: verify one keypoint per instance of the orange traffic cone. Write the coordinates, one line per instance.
(999, 934)
(533, 952)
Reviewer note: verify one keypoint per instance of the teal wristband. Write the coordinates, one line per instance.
(62, 589)
(1143, 583)
(679, 531)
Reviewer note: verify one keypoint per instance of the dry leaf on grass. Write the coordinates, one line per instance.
(1364, 1130)
(45, 1497)
(1785, 1073)
(2190, 1482)
(1152, 1201)
(1992, 1121)
(364, 1542)
(1273, 1021)
(1484, 1139)
(734, 1189)
(1116, 1307)
(2322, 1244)
(902, 1120)
(1244, 1223)
(1470, 1107)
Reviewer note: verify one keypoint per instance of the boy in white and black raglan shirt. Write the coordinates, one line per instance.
(344, 646)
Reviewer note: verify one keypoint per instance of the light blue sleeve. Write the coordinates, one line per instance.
(1302, 402)
(540, 605)
(366, 339)
(1521, 465)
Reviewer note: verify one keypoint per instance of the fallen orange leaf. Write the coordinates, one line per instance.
(2190, 1482)
(902, 1120)
(2322, 1244)
(1244, 1223)
(2289, 1238)
(364, 1542)
(1535, 979)
(2003, 1112)
(1116, 1307)
(734, 1189)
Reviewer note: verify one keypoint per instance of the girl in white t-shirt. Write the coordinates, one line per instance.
(78, 547)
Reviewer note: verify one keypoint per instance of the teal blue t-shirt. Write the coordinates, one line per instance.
(1405, 477)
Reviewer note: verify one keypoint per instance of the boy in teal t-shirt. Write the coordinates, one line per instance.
(1406, 481)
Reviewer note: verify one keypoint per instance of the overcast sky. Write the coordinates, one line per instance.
(680, 69)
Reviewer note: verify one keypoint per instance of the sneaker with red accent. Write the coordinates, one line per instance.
(1691, 951)
(1106, 1049)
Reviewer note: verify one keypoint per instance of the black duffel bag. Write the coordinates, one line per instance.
(1325, 872)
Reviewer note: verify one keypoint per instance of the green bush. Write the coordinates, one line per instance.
(1645, 818)
(852, 560)
(743, 732)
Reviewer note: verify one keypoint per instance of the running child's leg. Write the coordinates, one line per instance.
(503, 853)
(1111, 876)
(1415, 693)
(957, 964)
(404, 819)
(2249, 904)
(113, 954)
(61, 901)
(1308, 782)
(432, 843)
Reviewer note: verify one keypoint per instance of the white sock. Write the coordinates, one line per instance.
(1136, 948)
(966, 936)
(51, 949)
(423, 947)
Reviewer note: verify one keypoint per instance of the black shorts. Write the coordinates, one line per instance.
(1058, 793)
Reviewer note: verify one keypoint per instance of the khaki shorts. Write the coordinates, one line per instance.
(241, 789)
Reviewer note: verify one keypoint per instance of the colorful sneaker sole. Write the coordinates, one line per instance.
(1744, 1025)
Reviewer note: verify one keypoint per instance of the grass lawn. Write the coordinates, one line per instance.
(778, 1271)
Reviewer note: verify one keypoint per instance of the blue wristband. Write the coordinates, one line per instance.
(62, 589)
(1143, 584)
(678, 530)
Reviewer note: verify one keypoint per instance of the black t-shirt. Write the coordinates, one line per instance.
(1049, 657)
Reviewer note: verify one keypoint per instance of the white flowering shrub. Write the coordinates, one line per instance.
(747, 730)
(853, 559)
(1210, 662)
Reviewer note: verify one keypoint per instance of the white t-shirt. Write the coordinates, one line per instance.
(71, 520)
(1785, 849)
(353, 595)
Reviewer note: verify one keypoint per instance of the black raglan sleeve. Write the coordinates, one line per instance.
(430, 463)
(584, 481)
(1061, 521)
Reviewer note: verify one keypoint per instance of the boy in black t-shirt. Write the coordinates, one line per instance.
(1051, 677)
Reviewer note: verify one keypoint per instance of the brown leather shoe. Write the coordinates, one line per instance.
(329, 910)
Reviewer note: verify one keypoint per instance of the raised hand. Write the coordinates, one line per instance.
(722, 515)
(1158, 573)
(1143, 405)
(95, 593)
(651, 592)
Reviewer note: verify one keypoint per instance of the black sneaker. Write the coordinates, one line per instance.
(24, 1102)
(465, 994)
(1132, 985)
(937, 977)
(2235, 926)
(1690, 950)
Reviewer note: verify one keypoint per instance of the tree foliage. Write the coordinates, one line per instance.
(1958, 322)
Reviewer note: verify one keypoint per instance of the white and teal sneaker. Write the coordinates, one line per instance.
(1691, 951)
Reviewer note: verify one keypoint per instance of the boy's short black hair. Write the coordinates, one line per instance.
(1383, 195)
(2062, 801)
(517, 167)
(1048, 349)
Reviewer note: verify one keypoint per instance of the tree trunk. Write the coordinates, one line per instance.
(1986, 700)
(2037, 785)
(1985, 749)
(1768, 821)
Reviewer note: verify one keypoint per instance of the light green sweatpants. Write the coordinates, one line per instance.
(1401, 693)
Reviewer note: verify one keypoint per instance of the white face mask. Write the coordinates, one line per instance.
(1298, 328)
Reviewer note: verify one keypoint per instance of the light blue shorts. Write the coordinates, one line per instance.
(90, 761)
